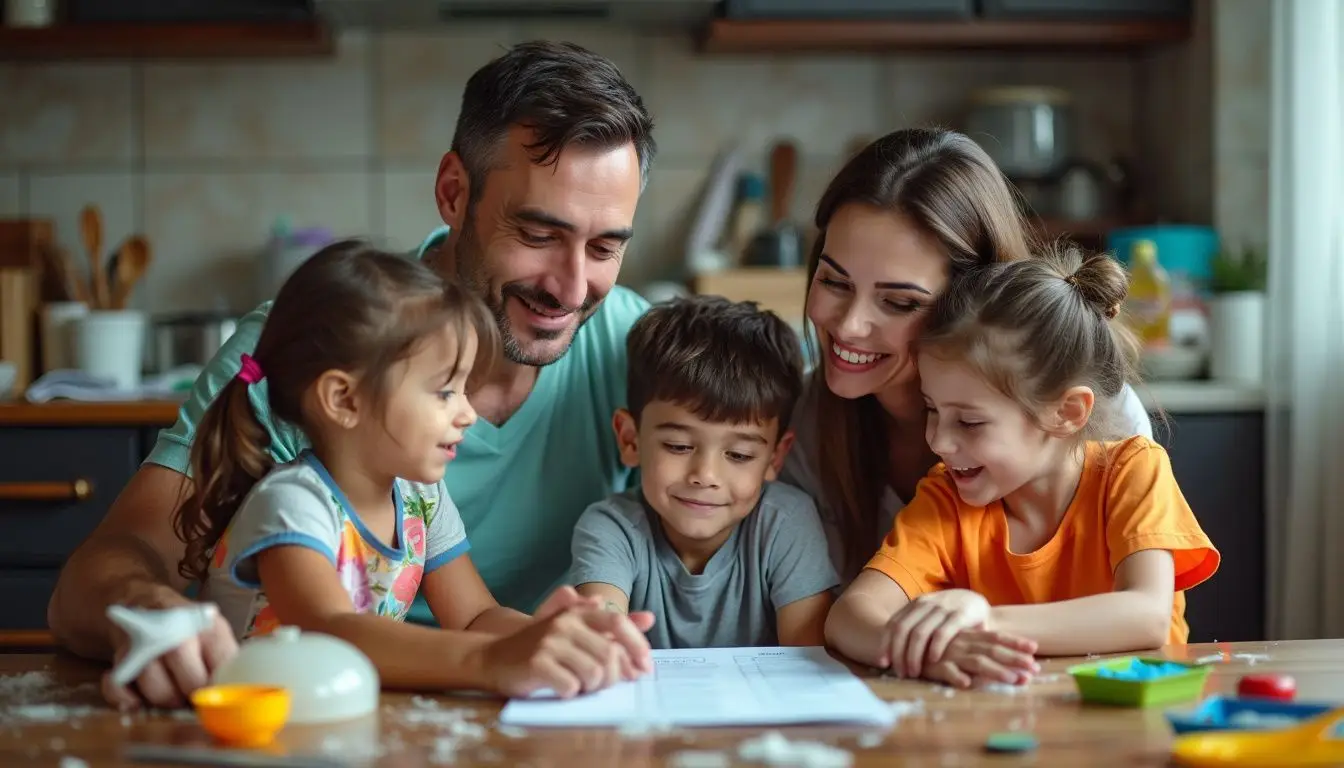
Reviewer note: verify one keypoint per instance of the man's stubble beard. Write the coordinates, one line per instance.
(469, 264)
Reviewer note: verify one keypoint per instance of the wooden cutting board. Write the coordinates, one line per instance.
(22, 242)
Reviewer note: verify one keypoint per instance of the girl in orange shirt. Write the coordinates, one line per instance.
(1034, 534)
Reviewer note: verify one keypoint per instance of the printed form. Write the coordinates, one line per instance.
(718, 687)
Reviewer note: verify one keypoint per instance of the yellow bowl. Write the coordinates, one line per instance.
(242, 715)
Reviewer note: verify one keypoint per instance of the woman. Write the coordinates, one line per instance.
(900, 220)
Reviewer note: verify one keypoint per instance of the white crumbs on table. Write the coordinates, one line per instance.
(1250, 658)
(905, 708)
(871, 740)
(700, 758)
(644, 729)
(456, 730)
(772, 748)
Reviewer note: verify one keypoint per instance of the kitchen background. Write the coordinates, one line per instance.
(203, 158)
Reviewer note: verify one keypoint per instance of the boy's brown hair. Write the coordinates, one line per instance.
(725, 361)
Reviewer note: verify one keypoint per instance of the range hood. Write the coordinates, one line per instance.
(420, 13)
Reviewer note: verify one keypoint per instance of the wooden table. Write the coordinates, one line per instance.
(413, 731)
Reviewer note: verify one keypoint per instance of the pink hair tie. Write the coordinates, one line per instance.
(251, 370)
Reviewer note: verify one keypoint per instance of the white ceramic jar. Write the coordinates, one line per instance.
(328, 678)
(30, 13)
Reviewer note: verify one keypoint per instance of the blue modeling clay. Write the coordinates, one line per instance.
(1140, 670)
(1012, 741)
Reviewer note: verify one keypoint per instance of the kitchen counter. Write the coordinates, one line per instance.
(1201, 396)
(70, 413)
(1169, 396)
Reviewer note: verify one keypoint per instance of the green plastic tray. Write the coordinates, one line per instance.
(1096, 689)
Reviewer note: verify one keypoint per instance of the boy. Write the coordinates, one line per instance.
(721, 555)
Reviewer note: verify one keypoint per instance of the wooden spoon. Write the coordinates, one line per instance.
(132, 261)
(91, 231)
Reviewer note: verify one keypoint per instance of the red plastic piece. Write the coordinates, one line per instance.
(1282, 687)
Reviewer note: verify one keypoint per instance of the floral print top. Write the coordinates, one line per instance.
(299, 504)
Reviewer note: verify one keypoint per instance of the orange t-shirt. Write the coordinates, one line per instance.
(1127, 501)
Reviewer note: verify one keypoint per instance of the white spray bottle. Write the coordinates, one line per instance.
(154, 633)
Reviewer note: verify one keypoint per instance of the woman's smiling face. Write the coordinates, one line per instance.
(878, 277)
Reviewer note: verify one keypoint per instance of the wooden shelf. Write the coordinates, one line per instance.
(167, 41)
(1091, 229)
(789, 36)
(27, 640)
(59, 413)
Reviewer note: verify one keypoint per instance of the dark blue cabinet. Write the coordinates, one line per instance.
(1218, 459)
(37, 534)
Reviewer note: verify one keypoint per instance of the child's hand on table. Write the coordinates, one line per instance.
(919, 633)
(634, 657)
(570, 648)
(979, 656)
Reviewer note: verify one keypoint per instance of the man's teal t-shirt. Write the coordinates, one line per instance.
(519, 487)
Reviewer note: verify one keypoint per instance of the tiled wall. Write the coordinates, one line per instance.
(1175, 123)
(1242, 113)
(203, 156)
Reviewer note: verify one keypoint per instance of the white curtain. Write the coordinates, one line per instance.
(1305, 416)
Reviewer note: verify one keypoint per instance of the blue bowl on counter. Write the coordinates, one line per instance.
(1229, 713)
(1182, 249)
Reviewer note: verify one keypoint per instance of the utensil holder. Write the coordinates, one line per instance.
(110, 344)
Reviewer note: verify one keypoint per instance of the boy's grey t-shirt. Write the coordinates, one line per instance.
(775, 556)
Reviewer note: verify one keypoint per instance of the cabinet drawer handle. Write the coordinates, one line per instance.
(72, 490)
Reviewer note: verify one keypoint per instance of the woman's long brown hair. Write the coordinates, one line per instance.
(945, 183)
(349, 307)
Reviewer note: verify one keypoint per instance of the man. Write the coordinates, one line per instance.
(549, 158)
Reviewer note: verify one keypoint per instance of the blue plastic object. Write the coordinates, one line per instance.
(1011, 741)
(1229, 713)
(1182, 249)
(1123, 681)
(1143, 670)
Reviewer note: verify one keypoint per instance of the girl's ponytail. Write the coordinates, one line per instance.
(349, 307)
(228, 456)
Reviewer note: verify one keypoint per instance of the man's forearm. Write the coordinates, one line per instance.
(105, 570)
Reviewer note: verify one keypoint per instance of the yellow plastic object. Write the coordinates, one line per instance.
(242, 715)
(1311, 743)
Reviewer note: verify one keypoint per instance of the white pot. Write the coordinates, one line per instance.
(110, 344)
(1237, 337)
(29, 13)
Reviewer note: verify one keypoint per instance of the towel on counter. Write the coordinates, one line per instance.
(72, 384)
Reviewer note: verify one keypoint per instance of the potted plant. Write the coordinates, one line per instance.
(1237, 315)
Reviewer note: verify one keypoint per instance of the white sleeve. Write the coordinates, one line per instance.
(287, 507)
(1133, 415)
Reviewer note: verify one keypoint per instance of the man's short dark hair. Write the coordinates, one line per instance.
(565, 93)
(725, 361)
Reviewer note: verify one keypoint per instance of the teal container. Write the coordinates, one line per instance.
(1185, 251)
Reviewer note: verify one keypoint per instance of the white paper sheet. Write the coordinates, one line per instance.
(718, 687)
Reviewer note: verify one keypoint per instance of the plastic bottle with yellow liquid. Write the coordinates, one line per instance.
(1148, 306)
